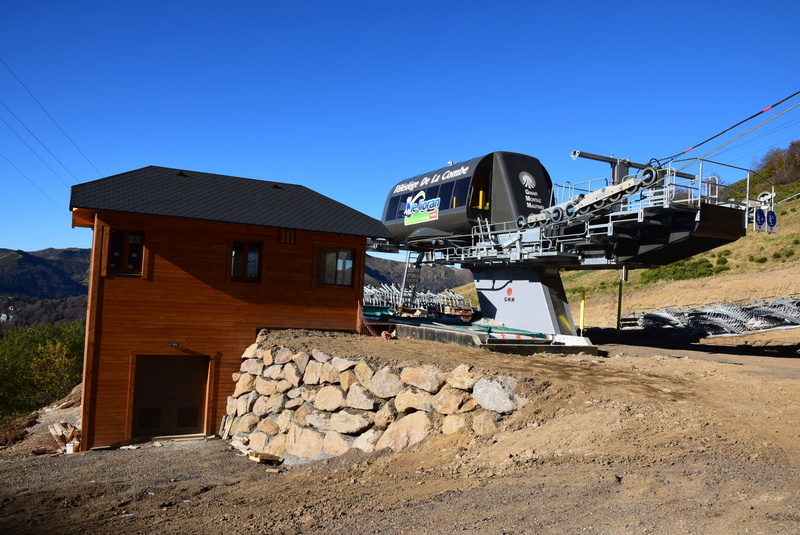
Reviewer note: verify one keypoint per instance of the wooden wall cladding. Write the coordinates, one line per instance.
(186, 296)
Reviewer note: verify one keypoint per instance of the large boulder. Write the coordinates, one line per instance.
(484, 423)
(245, 384)
(312, 373)
(328, 374)
(245, 423)
(304, 442)
(386, 384)
(301, 361)
(427, 378)
(340, 364)
(453, 423)
(463, 377)
(251, 352)
(266, 387)
(351, 423)
(283, 355)
(405, 432)
(449, 400)
(329, 398)
(252, 366)
(336, 443)
(318, 420)
(364, 372)
(359, 397)
(291, 373)
(319, 356)
(386, 415)
(494, 395)
(409, 400)
(366, 441)
(273, 372)
(346, 379)
(268, 426)
(258, 441)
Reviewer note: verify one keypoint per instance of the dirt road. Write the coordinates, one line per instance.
(701, 438)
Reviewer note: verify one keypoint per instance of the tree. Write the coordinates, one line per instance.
(39, 365)
(780, 166)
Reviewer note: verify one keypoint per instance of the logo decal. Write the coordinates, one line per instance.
(420, 210)
(527, 180)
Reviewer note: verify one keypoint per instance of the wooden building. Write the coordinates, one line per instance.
(186, 268)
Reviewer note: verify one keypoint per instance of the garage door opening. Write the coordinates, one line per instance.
(169, 395)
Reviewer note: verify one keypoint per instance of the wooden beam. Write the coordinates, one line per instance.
(82, 217)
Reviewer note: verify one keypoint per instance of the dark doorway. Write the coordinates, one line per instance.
(169, 395)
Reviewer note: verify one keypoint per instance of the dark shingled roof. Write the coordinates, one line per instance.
(174, 193)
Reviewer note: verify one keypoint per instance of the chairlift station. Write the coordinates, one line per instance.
(500, 216)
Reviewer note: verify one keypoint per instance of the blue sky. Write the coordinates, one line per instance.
(348, 98)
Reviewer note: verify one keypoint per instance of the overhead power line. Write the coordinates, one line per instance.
(51, 117)
(39, 140)
(741, 135)
(60, 208)
(35, 153)
(670, 158)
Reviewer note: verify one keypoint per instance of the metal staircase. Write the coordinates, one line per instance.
(411, 277)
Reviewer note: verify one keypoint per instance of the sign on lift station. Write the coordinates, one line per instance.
(759, 220)
(765, 221)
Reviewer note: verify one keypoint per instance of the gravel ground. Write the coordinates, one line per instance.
(699, 438)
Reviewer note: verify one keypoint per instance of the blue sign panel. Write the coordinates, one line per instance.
(772, 221)
(760, 219)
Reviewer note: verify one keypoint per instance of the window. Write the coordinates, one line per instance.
(246, 261)
(288, 236)
(125, 251)
(460, 193)
(335, 266)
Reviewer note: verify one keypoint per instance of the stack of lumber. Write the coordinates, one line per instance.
(64, 434)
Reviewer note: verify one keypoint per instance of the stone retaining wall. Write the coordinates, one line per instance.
(306, 407)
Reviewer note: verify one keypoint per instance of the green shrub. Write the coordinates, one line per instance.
(720, 269)
(776, 255)
(39, 365)
(760, 259)
(680, 270)
(722, 260)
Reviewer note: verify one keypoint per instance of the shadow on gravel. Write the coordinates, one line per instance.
(688, 340)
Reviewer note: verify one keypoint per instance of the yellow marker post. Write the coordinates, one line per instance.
(583, 310)
(623, 276)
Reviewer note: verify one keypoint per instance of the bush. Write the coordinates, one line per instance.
(680, 270)
(720, 269)
(39, 365)
(722, 260)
